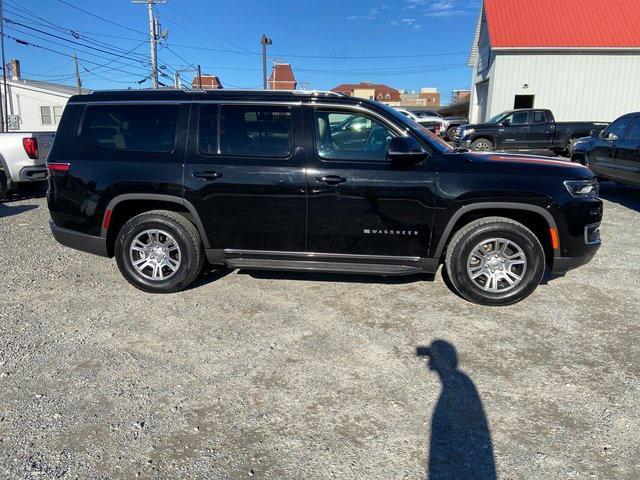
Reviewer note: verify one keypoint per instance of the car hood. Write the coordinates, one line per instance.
(530, 164)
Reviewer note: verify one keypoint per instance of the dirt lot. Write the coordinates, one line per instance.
(308, 376)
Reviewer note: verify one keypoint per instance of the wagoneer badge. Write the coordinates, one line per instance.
(407, 233)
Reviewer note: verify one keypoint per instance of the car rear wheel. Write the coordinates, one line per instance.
(159, 251)
(495, 261)
(481, 145)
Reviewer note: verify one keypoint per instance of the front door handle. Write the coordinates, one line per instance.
(207, 175)
(331, 179)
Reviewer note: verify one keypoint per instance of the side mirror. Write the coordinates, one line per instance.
(505, 123)
(405, 151)
(612, 137)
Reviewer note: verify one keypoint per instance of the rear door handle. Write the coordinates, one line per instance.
(207, 175)
(331, 179)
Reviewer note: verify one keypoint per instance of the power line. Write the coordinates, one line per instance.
(31, 44)
(102, 18)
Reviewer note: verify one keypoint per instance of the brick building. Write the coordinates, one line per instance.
(372, 91)
(209, 82)
(282, 77)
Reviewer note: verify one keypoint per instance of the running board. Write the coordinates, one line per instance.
(318, 266)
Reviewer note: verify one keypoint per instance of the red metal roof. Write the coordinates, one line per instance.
(563, 23)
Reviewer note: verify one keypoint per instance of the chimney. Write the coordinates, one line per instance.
(15, 69)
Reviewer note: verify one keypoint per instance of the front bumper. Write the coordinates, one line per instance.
(562, 265)
(79, 241)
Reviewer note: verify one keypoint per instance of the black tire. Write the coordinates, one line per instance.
(450, 132)
(481, 145)
(465, 241)
(4, 187)
(186, 237)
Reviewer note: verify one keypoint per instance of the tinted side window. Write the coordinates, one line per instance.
(356, 137)
(141, 128)
(255, 130)
(634, 131)
(208, 130)
(539, 117)
(517, 118)
(619, 127)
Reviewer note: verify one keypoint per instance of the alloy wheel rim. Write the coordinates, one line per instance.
(482, 147)
(497, 265)
(155, 255)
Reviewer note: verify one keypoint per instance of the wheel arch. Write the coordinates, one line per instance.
(123, 207)
(536, 218)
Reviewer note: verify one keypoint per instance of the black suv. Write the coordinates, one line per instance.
(613, 154)
(164, 180)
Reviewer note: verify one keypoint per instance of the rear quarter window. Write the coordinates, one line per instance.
(140, 128)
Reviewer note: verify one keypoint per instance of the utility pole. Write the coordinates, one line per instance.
(4, 119)
(264, 41)
(153, 38)
(199, 76)
(78, 80)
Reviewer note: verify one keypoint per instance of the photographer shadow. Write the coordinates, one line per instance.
(460, 446)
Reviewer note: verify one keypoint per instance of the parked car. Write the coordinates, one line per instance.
(524, 129)
(452, 125)
(615, 152)
(434, 124)
(22, 159)
(166, 180)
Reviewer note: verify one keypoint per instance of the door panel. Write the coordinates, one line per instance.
(359, 204)
(248, 181)
(628, 154)
(514, 133)
(603, 158)
(540, 130)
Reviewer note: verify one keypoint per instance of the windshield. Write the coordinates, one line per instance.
(434, 141)
(497, 118)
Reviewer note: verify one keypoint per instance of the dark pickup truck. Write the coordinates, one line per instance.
(525, 129)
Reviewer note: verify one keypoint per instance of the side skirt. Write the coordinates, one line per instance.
(322, 262)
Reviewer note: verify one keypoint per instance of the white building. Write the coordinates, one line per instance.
(33, 105)
(578, 58)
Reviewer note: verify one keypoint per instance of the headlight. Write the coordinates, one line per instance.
(583, 188)
(467, 131)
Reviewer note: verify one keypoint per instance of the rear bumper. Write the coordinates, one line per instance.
(33, 174)
(80, 241)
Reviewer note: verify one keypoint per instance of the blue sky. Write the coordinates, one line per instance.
(407, 44)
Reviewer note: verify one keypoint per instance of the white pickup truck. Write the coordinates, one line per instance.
(22, 158)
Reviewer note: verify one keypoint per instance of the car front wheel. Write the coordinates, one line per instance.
(495, 261)
(159, 251)
(481, 145)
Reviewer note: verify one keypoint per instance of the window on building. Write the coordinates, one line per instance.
(208, 130)
(634, 131)
(357, 137)
(142, 128)
(539, 117)
(387, 96)
(523, 101)
(57, 114)
(380, 96)
(255, 130)
(45, 115)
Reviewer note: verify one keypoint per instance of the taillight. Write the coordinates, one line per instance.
(31, 147)
(57, 167)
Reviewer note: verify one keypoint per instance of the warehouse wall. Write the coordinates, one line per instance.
(575, 86)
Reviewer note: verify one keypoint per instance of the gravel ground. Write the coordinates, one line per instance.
(308, 376)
